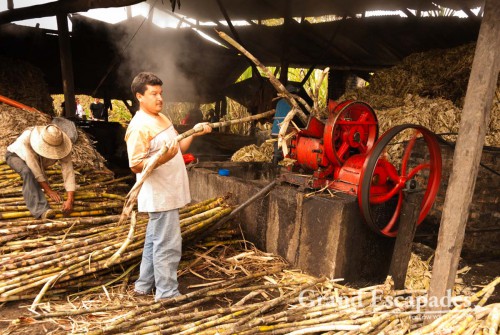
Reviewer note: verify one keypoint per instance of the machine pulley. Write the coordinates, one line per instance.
(345, 154)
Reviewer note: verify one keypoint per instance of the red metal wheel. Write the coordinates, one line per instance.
(351, 128)
(382, 185)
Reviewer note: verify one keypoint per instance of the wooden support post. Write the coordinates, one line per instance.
(475, 117)
(217, 109)
(129, 12)
(406, 232)
(223, 107)
(306, 77)
(285, 49)
(66, 65)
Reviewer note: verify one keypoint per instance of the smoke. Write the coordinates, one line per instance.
(164, 51)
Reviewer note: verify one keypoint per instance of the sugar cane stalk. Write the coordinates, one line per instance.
(274, 81)
(151, 307)
(199, 217)
(151, 164)
(125, 244)
(273, 303)
(218, 202)
(191, 208)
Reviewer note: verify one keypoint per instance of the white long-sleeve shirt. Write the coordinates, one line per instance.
(37, 163)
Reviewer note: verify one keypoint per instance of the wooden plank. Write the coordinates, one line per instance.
(406, 232)
(475, 117)
(60, 7)
(66, 65)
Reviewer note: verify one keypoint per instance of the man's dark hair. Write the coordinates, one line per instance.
(141, 80)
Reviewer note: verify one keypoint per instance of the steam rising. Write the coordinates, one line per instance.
(163, 51)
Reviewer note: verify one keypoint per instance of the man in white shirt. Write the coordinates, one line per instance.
(34, 150)
(163, 192)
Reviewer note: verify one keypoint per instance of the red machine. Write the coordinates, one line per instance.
(346, 155)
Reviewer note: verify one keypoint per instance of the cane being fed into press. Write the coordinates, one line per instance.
(152, 162)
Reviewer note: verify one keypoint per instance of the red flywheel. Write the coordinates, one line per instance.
(351, 128)
(395, 166)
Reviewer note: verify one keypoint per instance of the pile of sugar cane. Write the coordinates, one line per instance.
(427, 89)
(13, 121)
(254, 153)
(98, 193)
(245, 291)
(67, 254)
(25, 83)
(419, 273)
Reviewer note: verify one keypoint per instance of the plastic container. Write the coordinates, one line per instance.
(223, 172)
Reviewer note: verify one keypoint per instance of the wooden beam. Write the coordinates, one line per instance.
(406, 232)
(285, 40)
(475, 117)
(327, 43)
(66, 65)
(60, 7)
(308, 74)
(182, 20)
(10, 4)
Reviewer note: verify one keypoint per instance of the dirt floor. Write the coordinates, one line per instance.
(479, 275)
(482, 273)
(20, 309)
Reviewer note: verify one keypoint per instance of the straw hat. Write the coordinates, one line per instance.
(50, 142)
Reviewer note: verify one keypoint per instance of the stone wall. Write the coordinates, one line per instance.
(323, 236)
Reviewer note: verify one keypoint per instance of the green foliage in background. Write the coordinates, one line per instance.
(119, 113)
(297, 75)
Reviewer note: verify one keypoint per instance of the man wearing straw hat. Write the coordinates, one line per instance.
(34, 150)
(163, 192)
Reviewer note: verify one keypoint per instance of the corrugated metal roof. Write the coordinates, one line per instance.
(197, 70)
(205, 10)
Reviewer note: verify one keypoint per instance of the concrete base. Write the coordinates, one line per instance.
(323, 236)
